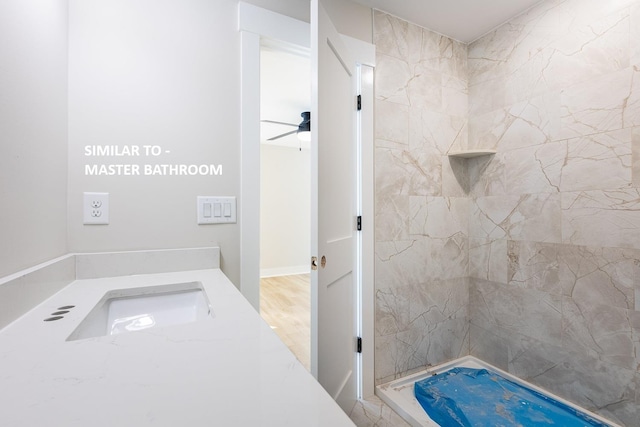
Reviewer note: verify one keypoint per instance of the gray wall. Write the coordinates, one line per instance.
(33, 132)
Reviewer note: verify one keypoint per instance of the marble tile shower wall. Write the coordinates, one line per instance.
(422, 208)
(554, 216)
(528, 259)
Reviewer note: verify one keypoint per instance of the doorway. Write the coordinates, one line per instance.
(285, 195)
(256, 24)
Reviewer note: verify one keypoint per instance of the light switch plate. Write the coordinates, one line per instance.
(211, 210)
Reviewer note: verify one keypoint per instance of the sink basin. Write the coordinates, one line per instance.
(136, 309)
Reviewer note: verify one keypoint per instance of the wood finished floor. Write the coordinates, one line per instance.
(285, 305)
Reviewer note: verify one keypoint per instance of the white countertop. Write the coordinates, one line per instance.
(229, 370)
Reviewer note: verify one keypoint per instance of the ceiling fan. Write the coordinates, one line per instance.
(303, 129)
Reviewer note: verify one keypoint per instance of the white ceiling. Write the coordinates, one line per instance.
(463, 20)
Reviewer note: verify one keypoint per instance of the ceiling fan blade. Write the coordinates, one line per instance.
(278, 123)
(283, 135)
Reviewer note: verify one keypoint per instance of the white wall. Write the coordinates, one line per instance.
(33, 135)
(140, 73)
(155, 72)
(351, 19)
(284, 210)
(297, 9)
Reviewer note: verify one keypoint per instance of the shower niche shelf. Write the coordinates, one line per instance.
(468, 154)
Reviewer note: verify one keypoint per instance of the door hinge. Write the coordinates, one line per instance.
(359, 223)
(359, 102)
(359, 345)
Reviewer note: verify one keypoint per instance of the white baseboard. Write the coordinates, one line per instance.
(284, 271)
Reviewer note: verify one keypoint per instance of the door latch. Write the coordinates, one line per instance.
(314, 262)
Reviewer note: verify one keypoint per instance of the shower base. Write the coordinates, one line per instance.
(399, 394)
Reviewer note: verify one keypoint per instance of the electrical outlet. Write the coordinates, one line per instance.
(96, 208)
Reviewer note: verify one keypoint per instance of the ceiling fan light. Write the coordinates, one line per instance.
(304, 128)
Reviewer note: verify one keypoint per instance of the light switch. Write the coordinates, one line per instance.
(216, 210)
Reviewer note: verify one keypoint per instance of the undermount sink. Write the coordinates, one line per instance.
(136, 309)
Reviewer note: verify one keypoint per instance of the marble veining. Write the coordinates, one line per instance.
(617, 213)
(607, 158)
(413, 261)
(487, 176)
(602, 104)
(373, 412)
(544, 235)
(486, 259)
(436, 131)
(526, 217)
(438, 217)
(422, 208)
(527, 123)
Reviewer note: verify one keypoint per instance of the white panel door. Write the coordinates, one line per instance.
(333, 182)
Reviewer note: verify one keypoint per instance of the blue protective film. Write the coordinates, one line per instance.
(465, 397)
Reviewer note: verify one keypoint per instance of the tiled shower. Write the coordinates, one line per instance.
(530, 258)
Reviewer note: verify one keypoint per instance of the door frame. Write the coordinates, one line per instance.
(253, 24)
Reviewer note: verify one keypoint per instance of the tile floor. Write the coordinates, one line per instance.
(373, 412)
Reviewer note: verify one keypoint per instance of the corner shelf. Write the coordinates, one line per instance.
(468, 154)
